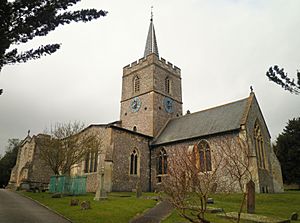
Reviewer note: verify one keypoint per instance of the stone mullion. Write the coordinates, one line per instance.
(257, 151)
(262, 153)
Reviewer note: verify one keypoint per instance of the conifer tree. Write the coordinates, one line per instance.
(8, 161)
(278, 76)
(287, 149)
(23, 20)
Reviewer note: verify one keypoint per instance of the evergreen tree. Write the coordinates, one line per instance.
(8, 161)
(281, 78)
(22, 20)
(287, 149)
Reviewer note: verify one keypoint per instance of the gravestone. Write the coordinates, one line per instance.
(138, 189)
(85, 205)
(74, 202)
(294, 216)
(210, 200)
(250, 197)
(214, 188)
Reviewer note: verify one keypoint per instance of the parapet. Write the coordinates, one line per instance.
(150, 59)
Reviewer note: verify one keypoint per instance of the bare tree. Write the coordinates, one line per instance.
(66, 145)
(196, 173)
(190, 181)
(237, 153)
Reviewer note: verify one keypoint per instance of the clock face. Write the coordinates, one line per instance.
(135, 104)
(168, 104)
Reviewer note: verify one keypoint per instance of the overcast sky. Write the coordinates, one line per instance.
(221, 46)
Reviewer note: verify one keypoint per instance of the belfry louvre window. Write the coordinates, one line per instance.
(167, 85)
(259, 146)
(162, 162)
(136, 84)
(91, 162)
(203, 156)
(134, 163)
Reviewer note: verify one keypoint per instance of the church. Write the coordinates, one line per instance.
(152, 126)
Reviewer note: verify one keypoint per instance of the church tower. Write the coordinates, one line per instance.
(151, 91)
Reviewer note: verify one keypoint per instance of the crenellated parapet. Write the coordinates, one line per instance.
(149, 60)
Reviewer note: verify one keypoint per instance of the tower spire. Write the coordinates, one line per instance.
(151, 44)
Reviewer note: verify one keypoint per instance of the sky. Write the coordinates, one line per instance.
(222, 47)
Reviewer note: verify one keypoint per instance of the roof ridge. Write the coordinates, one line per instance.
(207, 109)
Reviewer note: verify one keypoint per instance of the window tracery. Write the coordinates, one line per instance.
(136, 84)
(259, 146)
(162, 162)
(91, 162)
(167, 85)
(203, 156)
(134, 163)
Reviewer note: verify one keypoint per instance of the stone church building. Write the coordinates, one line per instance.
(152, 126)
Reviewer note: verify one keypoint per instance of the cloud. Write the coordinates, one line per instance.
(222, 47)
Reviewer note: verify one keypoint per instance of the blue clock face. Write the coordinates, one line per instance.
(135, 104)
(168, 104)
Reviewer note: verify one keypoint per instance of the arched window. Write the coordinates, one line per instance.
(134, 163)
(162, 162)
(203, 156)
(167, 85)
(136, 84)
(259, 146)
(91, 162)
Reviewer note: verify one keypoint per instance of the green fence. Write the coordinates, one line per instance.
(68, 185)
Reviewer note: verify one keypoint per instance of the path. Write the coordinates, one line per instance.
(15, 208)
(155, 214)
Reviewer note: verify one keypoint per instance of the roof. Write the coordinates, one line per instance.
(151, 44)
(115, 125)
(224, 118)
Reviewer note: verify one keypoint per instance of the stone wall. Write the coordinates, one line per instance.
(30, 168)
(277, 174)
(39, 172)
(103, 133)
(152, 73)
(262, 177)
(177, 150)
(124, 143)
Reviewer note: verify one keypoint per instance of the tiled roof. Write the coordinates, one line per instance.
(215, 120)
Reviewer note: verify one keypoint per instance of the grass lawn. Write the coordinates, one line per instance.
(117, 208)
(275, 205)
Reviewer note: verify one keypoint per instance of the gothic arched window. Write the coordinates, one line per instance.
(91, 162)
(134, 163)
(259, 146)
(203, 156)
(167, 85)
(136, 84)
(162, 164)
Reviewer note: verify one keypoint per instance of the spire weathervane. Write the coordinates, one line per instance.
(151, 14)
